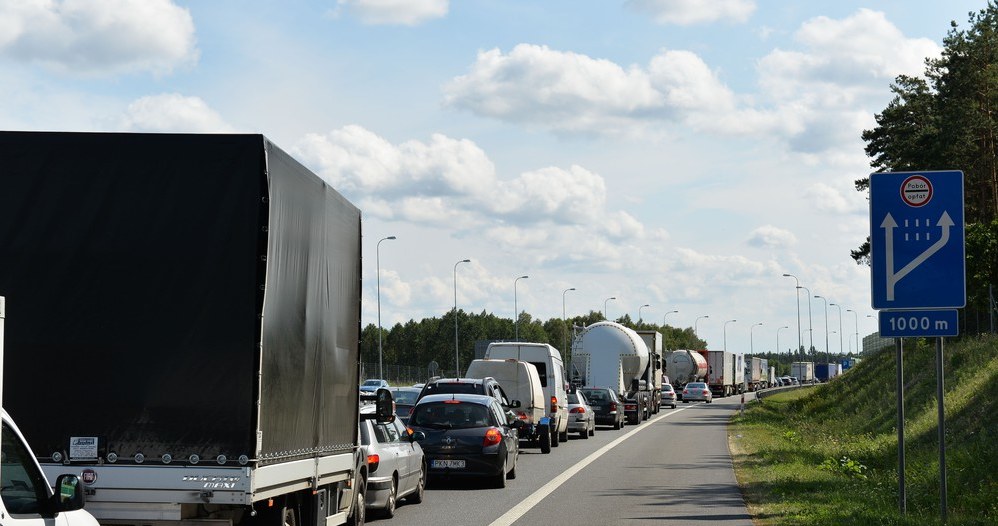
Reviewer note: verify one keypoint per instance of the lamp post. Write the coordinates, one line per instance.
(725, 333)
(840, 324)
(377, 259)
(666, 315)
(750, 342)
(604, 305)
(809, 326)
(516, 312)
(564, 320)
(778, 337)
(695, 322)
(457, 362)
(639, 311)
(856, 319)
(797, 291)
(828, 356)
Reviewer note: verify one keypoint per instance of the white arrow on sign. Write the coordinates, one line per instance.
(945, 222)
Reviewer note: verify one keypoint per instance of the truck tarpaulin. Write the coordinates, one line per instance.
(162, 286)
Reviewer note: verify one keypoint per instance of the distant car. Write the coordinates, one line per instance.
(405, 399)
(694, 391)
(794, 380)
(395, 462)
(786, 381)
(581, 418)
(607, 406)
(669, 396)
(373, 384)
(467, 435)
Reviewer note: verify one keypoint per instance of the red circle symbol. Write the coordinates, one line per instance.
(916, 191)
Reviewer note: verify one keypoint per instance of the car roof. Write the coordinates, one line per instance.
(459, 380)
(462, 397)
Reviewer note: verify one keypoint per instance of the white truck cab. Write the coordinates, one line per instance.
(26, 499)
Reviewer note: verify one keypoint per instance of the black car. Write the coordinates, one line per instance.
(466, 435)
(606, 404)
(484, 386)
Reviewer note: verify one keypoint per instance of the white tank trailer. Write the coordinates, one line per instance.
(607, 354)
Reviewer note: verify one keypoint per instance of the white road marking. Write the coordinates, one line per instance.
(536, 497)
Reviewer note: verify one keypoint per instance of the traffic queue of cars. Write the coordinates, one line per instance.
(473, 427)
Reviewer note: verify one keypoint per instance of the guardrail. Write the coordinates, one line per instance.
(773, 390)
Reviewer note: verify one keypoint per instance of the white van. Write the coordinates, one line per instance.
(27, 499)
(522, 384)
(551, 369)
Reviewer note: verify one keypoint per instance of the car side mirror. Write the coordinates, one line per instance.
(514, 404)
(68, 494)
(417, 436)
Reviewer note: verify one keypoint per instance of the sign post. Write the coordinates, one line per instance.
(918, 275)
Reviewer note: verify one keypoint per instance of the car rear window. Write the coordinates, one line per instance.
(542, 371)
(573, 398)
(451, 415)
(595, 396)
(454, 387)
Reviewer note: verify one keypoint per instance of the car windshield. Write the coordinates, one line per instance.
(451, 414)
(404, 397)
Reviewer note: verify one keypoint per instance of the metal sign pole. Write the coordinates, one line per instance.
(942, 428)
(902, 496)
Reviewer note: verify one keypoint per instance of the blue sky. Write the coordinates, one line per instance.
(678, 153)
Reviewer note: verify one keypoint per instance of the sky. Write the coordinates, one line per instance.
(679, 154)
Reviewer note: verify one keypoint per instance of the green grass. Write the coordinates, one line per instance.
(828, 455)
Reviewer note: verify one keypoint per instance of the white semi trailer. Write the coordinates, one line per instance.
(607, 354)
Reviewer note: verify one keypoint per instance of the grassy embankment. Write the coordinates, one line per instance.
(828, 454)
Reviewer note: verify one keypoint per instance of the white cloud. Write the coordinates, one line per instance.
(172, 112)
(98, 36)
(827, 199)
(689, 12)
(771, 237)
(396, 12)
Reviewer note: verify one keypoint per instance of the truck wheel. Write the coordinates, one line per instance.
(359, 515)
(545, 441)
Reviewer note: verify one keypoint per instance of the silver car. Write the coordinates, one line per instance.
(581, 418)
(395, 463)
(694, 391)
(668, 396)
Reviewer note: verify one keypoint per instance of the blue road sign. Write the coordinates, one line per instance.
(917, 240)
(925, 323)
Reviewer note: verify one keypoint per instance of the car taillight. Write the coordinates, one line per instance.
(613, 406)
(554, 404)
(372, 462)
(579, 409)
(492, 437)
(685, 391)
(706, 392)
(521, 415)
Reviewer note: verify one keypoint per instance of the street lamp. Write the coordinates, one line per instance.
(809, 327)
(750, 342)
(828, 356)
(778, 337)
(856, 319)
(695, 324)
(840, 324)
(457, 362)
(666, 315)
(604, 305)
(564, 320)
(725, 332)
(639, 311)
(377, 259)
(516, 312)
(797, 291)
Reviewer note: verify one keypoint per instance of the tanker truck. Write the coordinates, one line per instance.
(653, 373)
(607, 354)
(684, 366)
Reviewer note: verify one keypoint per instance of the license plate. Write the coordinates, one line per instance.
(453, 464)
